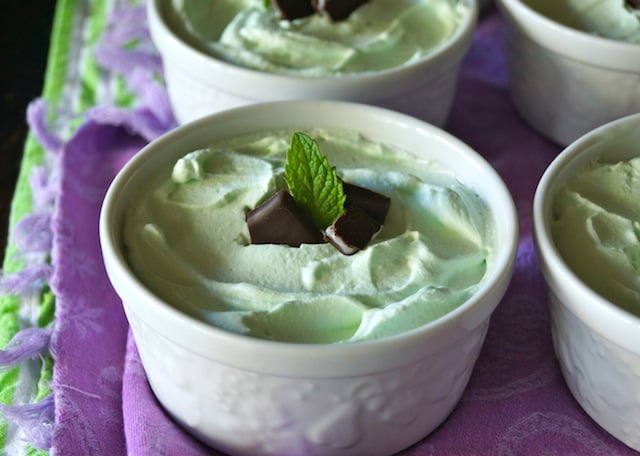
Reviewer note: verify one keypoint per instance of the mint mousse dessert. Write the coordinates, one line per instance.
(596, 228)
(615, 19)
(309, 236)
(317, 38)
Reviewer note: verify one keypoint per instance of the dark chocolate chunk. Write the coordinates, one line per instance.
(279, 220)
(633, 3)
(352, 231)
(293, 9)
(337, 10)
(373, 203)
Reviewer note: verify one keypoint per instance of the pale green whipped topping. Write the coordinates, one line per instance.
(596, 228)
(614, 19)
(186, 239)
(378, 35)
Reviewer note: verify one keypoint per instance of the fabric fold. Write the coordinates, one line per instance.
(148, 428)
(89, 342)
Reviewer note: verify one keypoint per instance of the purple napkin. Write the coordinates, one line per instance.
(90, 339)
(516, 402)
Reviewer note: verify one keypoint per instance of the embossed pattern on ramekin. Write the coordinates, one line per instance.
(306, 416)
(594, 368)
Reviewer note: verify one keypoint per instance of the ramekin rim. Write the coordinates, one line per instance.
(605, 44)
(549, 255)
(460, 39)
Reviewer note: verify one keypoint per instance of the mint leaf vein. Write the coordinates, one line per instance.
(312, 182)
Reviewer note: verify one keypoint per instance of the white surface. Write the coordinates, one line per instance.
(597, 343)
(565, 82)
(251, 396)
(199, 84)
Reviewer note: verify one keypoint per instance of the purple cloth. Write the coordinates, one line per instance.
(516, 401)
(90, 338)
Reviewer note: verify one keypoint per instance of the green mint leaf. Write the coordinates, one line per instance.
(313, 184)
(266, 3)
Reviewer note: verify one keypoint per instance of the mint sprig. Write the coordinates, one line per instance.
(313, 183)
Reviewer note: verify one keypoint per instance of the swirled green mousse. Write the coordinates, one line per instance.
(596, 228)
(378, 35)
(615, 19)
(187, 240)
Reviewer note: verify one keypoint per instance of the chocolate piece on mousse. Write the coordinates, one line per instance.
(337, 10)
(279, 220)
(352, 231)
(633, 3)
(293, 9)
(373, 203)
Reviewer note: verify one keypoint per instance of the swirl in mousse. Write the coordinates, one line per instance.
(192, 236)
(320, 39)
